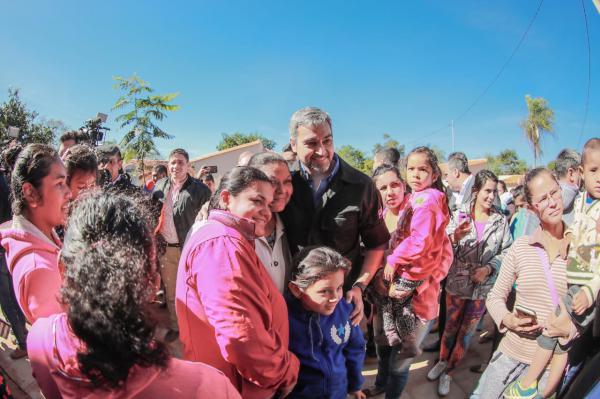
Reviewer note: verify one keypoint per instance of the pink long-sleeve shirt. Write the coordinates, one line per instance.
(230, 313)
(52, 349)
(422, 250)
(32, 260)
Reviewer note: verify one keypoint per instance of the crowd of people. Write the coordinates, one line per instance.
(281, 275)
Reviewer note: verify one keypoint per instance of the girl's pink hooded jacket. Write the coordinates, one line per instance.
(422, 250)
(32, 260)
(230, 313)
(52, 349)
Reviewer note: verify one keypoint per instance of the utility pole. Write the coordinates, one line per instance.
(452, 125)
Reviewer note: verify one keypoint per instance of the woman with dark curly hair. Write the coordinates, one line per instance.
(103, 345)
(230, 313)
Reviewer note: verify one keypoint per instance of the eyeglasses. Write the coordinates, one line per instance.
(555, 195)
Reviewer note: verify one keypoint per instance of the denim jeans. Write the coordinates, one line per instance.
(392, 373)
(10, 306)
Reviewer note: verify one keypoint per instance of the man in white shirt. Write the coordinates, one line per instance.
(459, 179)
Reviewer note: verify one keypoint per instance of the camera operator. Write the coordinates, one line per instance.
(110, 167)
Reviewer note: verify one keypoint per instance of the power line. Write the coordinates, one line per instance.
(589, 77)
(495, 79)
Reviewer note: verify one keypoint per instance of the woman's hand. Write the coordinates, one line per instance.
(358, 395)
(520, 324)
(558, 326)
(461, 231)
(481, 274)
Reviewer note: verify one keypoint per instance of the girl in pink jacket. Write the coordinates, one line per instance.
(230, 313)
(103, 345)
(419, 247)
(41, 202)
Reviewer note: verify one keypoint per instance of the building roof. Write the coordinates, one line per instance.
(477, 164)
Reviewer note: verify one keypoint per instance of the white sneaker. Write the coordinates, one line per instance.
(436, 370)
(444, 384)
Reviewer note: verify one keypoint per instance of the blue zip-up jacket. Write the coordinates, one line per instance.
(330, 350)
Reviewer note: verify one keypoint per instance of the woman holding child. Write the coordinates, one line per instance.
(537, 265)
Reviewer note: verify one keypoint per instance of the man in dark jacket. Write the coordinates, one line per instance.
(333, 204)
(181, 197)
(111, 174)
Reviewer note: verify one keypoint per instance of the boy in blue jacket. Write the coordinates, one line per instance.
(330, 349)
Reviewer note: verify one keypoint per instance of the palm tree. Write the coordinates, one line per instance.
(140, 121)
(540, 120)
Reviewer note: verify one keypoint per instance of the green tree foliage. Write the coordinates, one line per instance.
(389, 142)
(14, 112)
(539, 121)
(552, 165)
(507, 162)
(356, 158)
(237, 138)
(142, 112)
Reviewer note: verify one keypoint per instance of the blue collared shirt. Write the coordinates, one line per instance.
(324, 184)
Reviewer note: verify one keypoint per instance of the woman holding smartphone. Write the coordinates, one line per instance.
(534, 263)
(480, 237)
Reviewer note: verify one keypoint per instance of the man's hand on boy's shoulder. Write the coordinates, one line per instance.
(358, 395)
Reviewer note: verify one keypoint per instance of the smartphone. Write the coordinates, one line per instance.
(212, 169)
(525, 312)
(463, 217)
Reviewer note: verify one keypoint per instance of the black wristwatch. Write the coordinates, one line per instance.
(362, 286)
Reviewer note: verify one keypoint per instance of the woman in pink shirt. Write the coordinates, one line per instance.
(230, 313)
(103, 346)
(41, 200)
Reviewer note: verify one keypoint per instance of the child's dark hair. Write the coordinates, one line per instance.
(481, 177)
(110, 267)
(235, 181)
(380, 170)
(433, 163)
(529, 176)
(31, 166)
(315, 262)
(80, 158)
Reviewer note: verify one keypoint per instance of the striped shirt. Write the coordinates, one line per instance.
(522, 265)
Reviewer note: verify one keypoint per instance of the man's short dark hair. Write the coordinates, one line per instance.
(74, 135)
(80, 158)
(160, 169)
(389, 156)
(106, 151)
(458, 161)
(565, 160)
(180, 151)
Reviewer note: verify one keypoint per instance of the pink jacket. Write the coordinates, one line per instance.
(230, 313)
(32, 260)
(422, 250)
(52, 349)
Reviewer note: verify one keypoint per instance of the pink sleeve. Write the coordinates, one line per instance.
(38, 291)
(238, 308)
(36, 350)
(422, 226)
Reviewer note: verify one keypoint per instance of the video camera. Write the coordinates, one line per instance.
(93, 131)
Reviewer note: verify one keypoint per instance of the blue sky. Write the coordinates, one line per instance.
(402, 68)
